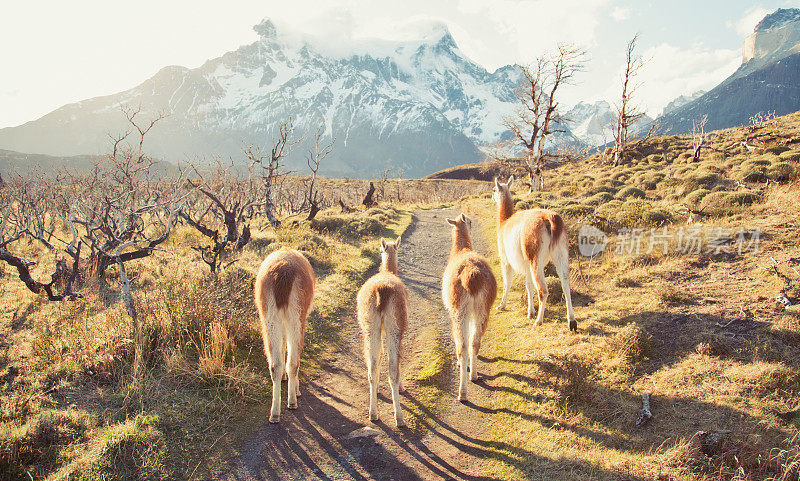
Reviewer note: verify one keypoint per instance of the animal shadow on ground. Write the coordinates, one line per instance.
(674, 336)
(311, 442)
(477, 448)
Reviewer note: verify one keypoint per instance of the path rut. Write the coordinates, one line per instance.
(330, 437)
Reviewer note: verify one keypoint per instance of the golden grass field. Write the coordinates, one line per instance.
(700, 331)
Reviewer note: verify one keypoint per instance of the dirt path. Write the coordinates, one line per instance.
(330, 437)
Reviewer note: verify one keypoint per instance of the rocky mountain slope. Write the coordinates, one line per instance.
(767, 81)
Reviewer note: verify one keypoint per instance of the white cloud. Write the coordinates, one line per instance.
(620, 13)
(671, 71)
(492, 34)
(747, 23)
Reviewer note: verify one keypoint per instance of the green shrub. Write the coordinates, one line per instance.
(777, 149)
(743, 198)
(630, 191)
(599, 198)
(631, 213)
(753, 175)
(577, 211)
(656, 217)
(758, 160)
(783, 171)
(695, 197)
(705, 179)
(716, 203)
(790, 156)
(604, 188)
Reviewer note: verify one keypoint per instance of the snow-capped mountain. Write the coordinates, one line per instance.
(593, 123)
(419, 105)
(681, 101)
(767, 81)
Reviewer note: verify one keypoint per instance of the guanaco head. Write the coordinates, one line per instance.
(502, 191)
(502, 197)
(461, 227)
(389, 255)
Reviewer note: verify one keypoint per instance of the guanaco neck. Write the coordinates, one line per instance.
(505, 208)
(389, 262)
(461, 240)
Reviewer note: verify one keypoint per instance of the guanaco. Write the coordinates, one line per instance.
(469, 289)
(527, 241)
(382, 313)
(284, 291)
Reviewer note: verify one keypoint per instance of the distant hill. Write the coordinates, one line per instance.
(50, 165)
(11, 161)
(485, 171)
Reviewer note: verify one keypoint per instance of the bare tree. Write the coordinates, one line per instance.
(27, 210)
(127, 200)
(698, 136)
(127, 207)
(628, 113)
(369, 200)
(223, 200)
(538, 115)
(314, 200)
(271, 169)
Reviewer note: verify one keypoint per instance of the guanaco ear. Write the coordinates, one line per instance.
(451, 221)
(397, 243)
(383, 244)
(510, 180)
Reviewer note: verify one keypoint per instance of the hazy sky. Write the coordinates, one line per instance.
(56, 52)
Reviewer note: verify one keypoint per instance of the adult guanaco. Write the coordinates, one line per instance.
(284, 292)
(382, 313)
(527, 241)
(469, 289)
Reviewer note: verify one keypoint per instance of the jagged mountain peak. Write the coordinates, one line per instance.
(266, 29)
(777, 19)
(767, 81)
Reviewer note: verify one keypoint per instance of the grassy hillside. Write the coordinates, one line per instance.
(684, 312)
(699, 328)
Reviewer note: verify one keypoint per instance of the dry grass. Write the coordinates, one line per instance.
(565, 404)
(649, 321)
(204, 369)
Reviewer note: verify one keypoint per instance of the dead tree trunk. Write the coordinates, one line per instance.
(644, 415)
(368, 199)
(698, 137)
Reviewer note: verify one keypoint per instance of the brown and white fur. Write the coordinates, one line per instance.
(526, 241)
(468, 291)
(284, 291)
(382, 313)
